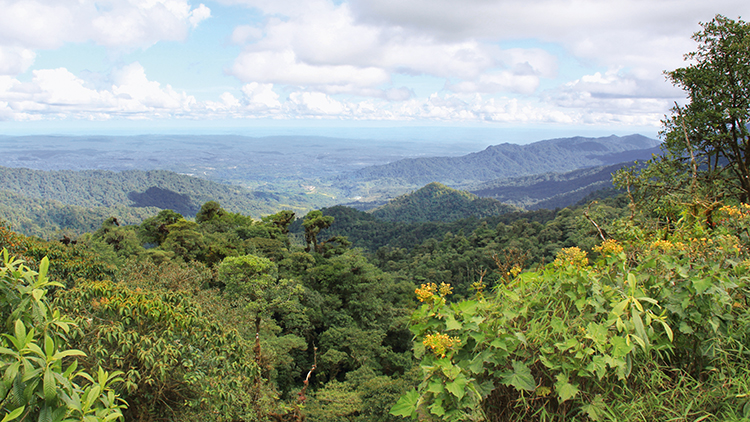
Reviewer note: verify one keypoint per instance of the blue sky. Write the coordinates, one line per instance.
(530, 67)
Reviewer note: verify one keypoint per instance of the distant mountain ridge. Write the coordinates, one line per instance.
(437, 202)
(511, 160)
(549, 190)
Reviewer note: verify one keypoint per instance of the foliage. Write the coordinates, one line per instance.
(437, 202)
(176, 363)
(40, 380)
(706, 141)
(571, 341)
(314, 223)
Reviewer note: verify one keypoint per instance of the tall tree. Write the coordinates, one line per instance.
(313, 223)
(709, 135)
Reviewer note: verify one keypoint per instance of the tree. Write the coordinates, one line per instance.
(154, 229)
(254, 279)
(709, 136)
(313, 223)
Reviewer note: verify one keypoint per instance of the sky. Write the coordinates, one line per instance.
(334, 66)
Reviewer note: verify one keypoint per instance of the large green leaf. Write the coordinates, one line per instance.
(565, 390)
(520, 377)
(457, 387)
(406, 406)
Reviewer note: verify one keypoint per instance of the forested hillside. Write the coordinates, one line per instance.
(437, 202)
(549, 190)
(49, 218)
(161, 189)
(510, 160)
(44, 203)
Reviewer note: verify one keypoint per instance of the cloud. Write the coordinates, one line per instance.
(260, 96)
(15, 60)
(643, 33)
(133, 88)
(327, 49)
(58, 92)
(28, 25)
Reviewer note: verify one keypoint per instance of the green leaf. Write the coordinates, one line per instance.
(37, 294)
(50, 390)
(436, 387)
(668, 329)
(640, 330)
(619, 308)
(452, 324)
(43, 267)
(457, 387)
(565, 390)
(702, 284)
(14, 414)
(520, 378)
(406, 406)
(49, 346)
(620, 347)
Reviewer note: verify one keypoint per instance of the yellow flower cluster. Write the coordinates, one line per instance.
(609, 247)
(736, 212)
(665, 245)
(427, 292)
(440, 343)
(571, 256)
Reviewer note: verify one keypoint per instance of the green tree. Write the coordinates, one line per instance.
(313, 223)
(707, 143)
(254, 280)
(154, 229)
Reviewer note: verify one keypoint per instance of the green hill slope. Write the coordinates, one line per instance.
(136, 188)
(437, 202)
(48, 219)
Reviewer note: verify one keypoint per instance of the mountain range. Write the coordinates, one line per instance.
(511, 160)
(500, 178)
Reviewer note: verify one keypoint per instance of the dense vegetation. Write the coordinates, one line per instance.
(629, 308)
(437, 202)
(26, 193)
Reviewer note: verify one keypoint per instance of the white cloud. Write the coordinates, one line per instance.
(132, 86)
(327, 49)
(15, 60)
(27, 25)
(59, 92)
(260, 96)
(315, 104)
(245, 33)
(198, 15)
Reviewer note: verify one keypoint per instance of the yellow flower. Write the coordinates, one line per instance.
(425, 292)
(440, 343)
(571, 256)
(609, 247)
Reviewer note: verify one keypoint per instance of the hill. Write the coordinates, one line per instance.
(437, 202)
(50, 219)
(511, 160)
(549, 190)
(46, 203)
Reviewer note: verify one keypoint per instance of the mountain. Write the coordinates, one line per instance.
(50, 219)
(136, 188)
(549, 190)
(511, 160)
(437, 202)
